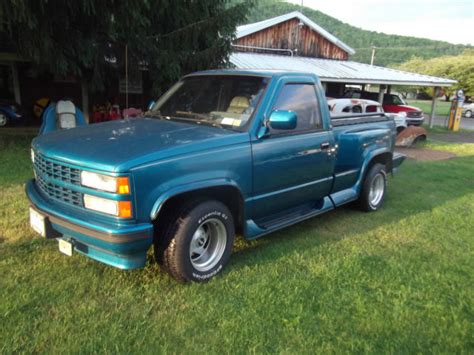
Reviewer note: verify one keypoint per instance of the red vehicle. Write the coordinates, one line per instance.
(394, 104)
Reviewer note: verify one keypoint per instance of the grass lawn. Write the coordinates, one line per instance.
(399, 280)
(442, 107)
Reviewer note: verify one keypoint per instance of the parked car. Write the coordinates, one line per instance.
(392, 103)
(341, 106)
(10, 113)
(222, 153)
(467, 110)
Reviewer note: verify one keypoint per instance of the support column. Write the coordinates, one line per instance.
(325, 88)
(433, 105)
(381, 93)
(389, 89)
(85, 99)
(16, 83)
(342, 88)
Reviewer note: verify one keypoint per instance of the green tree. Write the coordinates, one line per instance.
(460, 68)
(87, 38)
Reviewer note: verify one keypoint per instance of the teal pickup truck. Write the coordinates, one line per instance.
(221, 153)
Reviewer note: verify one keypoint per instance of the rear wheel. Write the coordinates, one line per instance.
(197, 242)
(374, 187)
(468, 114)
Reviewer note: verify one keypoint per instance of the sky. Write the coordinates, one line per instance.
(451, 21)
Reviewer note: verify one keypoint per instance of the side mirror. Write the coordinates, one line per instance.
(280, 119)
(151, 104)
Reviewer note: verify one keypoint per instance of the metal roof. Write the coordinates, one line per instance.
(246, 30)
(336, 70)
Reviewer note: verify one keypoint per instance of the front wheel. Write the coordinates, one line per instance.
(373, 189)
(3, 120)
(468, 114)
(197, 243)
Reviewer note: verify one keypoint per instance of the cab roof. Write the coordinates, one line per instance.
(253, 72)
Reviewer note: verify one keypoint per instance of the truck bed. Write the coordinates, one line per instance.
(355, 136)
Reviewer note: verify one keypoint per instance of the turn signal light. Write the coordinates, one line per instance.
(125, 209)
(123, 185)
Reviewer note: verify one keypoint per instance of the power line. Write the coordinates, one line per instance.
(414, 47)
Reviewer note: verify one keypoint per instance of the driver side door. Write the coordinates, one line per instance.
(293, 168)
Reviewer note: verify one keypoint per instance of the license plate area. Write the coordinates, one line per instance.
(65, 247)
(41, 224)
(38, 222)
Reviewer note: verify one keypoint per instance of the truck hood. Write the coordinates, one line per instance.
(399, 108)
(118, 146)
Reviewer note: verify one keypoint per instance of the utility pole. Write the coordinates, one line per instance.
(373, 55)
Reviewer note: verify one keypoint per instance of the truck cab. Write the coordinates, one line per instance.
(221, 153)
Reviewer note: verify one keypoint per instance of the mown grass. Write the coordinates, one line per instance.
(399, 280)
(442, 106)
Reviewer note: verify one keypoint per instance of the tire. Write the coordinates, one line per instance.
(196, 243)
(374, 188)
(3, 120)
(468, 114)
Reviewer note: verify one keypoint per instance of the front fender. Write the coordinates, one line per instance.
(10, 113)
(198, 185)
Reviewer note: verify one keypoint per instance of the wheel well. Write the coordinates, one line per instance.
(384, 158)
(228, 195)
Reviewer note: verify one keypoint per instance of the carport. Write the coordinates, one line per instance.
(335, 74)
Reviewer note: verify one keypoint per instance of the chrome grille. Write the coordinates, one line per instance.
(56, 171)
(414, 114)
(46, 170)
(59, 193)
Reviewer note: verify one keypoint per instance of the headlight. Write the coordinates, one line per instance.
(116, 208)
(13, 108)
(32, 155)
(403, 114)
(120, 185)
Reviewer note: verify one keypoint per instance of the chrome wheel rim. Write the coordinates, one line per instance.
(208, 244)
(3, 119)
(377, 188)
(468, 114)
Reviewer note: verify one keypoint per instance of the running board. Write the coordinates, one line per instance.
(258, 229)
(344, 196)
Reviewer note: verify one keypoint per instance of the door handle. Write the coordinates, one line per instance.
(325, 145)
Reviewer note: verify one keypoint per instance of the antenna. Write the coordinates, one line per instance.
(126, 77)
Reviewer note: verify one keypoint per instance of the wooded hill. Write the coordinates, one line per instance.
(391, 49)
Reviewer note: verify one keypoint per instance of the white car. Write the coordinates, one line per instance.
(341, 106)
(468, 110)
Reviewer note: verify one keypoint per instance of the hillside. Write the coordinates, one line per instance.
(391, 49)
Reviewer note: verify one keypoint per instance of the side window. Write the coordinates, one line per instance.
(302, 100)
(357, 109)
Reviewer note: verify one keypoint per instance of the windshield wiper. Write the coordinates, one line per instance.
(200, 121)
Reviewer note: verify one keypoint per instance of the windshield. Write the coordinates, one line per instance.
(223, 101)
(393, 100)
